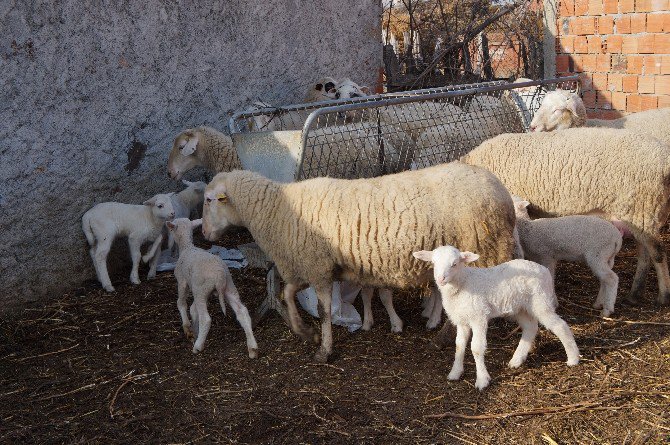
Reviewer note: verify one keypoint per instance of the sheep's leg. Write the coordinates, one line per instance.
(241, 313)
(135, 255)
(101, 251)
(462, 336)
(325, 295)
(427, 303)
(443, 336)
(436, 311)
(368, 319)
(529, 330)
(297, 324)
(640, 279)
(560, 328)
(204, 320)
(181, 306)
(387, 300)
(153, 249)
(609, 282)
(478, 347)
(194, 321)
(660, 259)
(91, 251)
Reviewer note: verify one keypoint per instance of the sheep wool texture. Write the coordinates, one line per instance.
(615, 173)
(365, 230)
(655, 123)
(215, 150)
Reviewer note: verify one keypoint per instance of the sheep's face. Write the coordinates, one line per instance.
(218, 211)
(183, 154)
(559, 110)
(447, 262)
(182, 228)
(161, 206)
(520, 207)
(323, 89)
(347, 89)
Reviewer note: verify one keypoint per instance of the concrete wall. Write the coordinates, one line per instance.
(94, 92)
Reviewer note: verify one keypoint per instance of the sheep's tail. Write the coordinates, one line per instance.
(86, 227)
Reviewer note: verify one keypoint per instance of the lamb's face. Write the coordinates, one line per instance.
(559, 110)
(447, 261)
(347, 89)
(161, 206)
(520, 207)
(182, 228)
(218, 211)
(182, 156)
(324, 89)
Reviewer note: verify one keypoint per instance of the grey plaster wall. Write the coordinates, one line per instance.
(93, 92)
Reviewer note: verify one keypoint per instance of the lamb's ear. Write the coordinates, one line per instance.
(150, 202)
(329, 86)
(522, 205)
(424, 255)
(365, 89)
(186, 183)
(170, 225)
(196, 223)
(318, 87)
(190, 146)
(469, 257)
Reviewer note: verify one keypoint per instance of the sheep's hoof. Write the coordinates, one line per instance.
(366, 327)
(151, 275)
(573, 361)
(430, 325)
(110, 288)
(146, 258)
(482, 382)
(598, 305)
(188, 332)
(197, 349)
(135, 280)
(515, 363)
(396, 328)
(663, 299)
(253, 352)
(455, 374)
(321, 356)
(605, 313)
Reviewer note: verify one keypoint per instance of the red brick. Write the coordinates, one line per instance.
(633, 103)
(594, 44)
(652, 64)
(623, 25)
(588, 62)
(662, 43)
(648, 102)
(577, 64)
(567, 7)
(619, 101)
(665, 65)
(635, 64)
(610, 6)
(580, 45)
(604, 99)
(629, 45)
(567, 44)
(600, 81)
(663, 101)
(588, 26)
(626, 5)
(638, 23)
(643, 5)
(562, 63)
(610, 114)
(596, 7)
(619, 63)
(614, 43)
(663, 85)
(605, 25)
(589, 98)
(659, 5)
(629, 84)
(646, 44)
(581, 7)
(614, 82)
(645, 84)
(655, 22)
(586, 81)
(603, 63)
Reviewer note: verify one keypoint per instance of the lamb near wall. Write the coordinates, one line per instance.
(323, 230)
(140, 223)
(615, 174)
(203, 274)
(472, 296)
(581, 238)
(202, 147)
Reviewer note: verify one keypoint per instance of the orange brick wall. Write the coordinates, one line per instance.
(621, 50)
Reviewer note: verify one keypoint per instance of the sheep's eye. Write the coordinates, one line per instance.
(222, 199)
(160, 206)
(209, 200)
(453, 264)
(337, 95)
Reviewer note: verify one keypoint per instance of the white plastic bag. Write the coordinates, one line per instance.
(342, 310)
(232, 257)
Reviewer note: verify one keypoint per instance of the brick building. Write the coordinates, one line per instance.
(621, 50)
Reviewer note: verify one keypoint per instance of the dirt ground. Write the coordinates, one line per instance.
(93, 367)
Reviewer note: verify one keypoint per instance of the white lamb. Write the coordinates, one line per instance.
(186, 201)
(471, 296)
(580, 238)
(140, 223)
(202, 274)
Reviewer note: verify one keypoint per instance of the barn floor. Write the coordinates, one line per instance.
(98, 368)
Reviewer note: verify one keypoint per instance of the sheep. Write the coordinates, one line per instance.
(204, 147)
(386, 296)
(655, 123)
(321, 230)
(322, 89)
(471, 296)
(614, 174)
(140, 223)
(185, 202)
(203, 274)
(587, 239)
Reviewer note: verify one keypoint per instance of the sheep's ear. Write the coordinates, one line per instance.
(186, 183)
(424, 255)
(329, 86)
(318, 87)
(572, 106)
(522, 205)
(196, 223)
(170, 225)
(469, 257)
(365, 89)
(190, 146)
(150, 202)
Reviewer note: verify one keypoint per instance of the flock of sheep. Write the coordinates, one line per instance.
(408, 229)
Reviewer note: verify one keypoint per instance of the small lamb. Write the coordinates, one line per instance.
(580, 238)
(471, 296)
(140, 223)
(203, 274)
(186, 201)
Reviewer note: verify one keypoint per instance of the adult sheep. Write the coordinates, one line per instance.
(615, 174)
(201, 147)
(322, 230)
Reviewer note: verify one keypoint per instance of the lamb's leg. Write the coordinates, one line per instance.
(529, 329)
(135, 255)
(443, 336)
(368, 319)
(640, 279)
(204, 320)
(325, 295)
(427, 303)
(436, 311)
(194, 321)
(560, 328)
(297, 324)
(101, 252)
(462, 335)
(241, 313)
(181, 306)
(478, 347)
(387, 300)
(153, 249)
(609, 282)
(660, 259)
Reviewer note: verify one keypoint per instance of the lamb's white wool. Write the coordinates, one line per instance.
(471, 296)
(187, 201)
(560, 109)
(203, 274)
(140, 223)
(578, 238)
